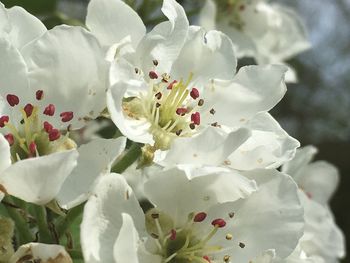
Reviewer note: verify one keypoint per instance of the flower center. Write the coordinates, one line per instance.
(183, 244)
(233, 10)
(171, 107)
(28, 135)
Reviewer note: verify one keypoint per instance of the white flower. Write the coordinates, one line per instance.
(43, 253)
(175, 89)
(215, 217)
(317, 182)
(40, 83)
(269, 32)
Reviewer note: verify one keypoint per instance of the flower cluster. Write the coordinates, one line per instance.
(197, 169)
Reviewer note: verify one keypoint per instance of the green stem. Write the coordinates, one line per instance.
(41, 218)
(65, 222)
(22, 227)
(128, 159)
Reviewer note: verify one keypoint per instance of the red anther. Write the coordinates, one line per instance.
(172, 234)
(49, 110)
(13, 100)
(207, 258)
(9, 137)
(196, 118)
(47, 127)
(219, 222)
(171, 85)
(54, 135)
(181, 111)
(28, 109)
(39, 94)
(3, 120)
(66, 116)
(200, 217)
(194, 93)
(32, 149)
(153, 75)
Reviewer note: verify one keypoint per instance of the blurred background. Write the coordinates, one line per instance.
(315, 111)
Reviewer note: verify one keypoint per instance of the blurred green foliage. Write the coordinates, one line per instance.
(36, 7)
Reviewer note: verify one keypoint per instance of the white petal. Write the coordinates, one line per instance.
(285, 35)
(207, 15)
(37, 252)
(135, 130)
(102, 218)
(4, 22)
(270, 218)
(207, 55)
(123, 70)
(322, 236)
(129, 247)
(255, 89)
(38, 180)
(166, 39)
(245, 46)
(302, 157)
(95, 159)
(126, 246)
(68, 63)
(320, 180)
(197, 194)
(24, 27)
(268, 147)
(13, 72)
(210, 147)
(5, 153)
(112, 20)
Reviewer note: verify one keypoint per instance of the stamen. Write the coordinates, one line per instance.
(200, 102)
(181, 111)
(196, 118)
(212, 111)
(171, 85)
(66, 116)
(226, 258)
(207, 258)
(153, 75)
(32, 149)
(54, 135)
(9, 137)
(49, 110)
(178, 133)
(47, 127)
(165, 77)
(200, 217)
(228, 236)
(158, 95)
(194, 93)
(155, 62)
(39, 94)
(172, 234)
(192, 126)
(28, 109)
(219, 222)
(13, 100)
(3, 120)
(241, 245)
